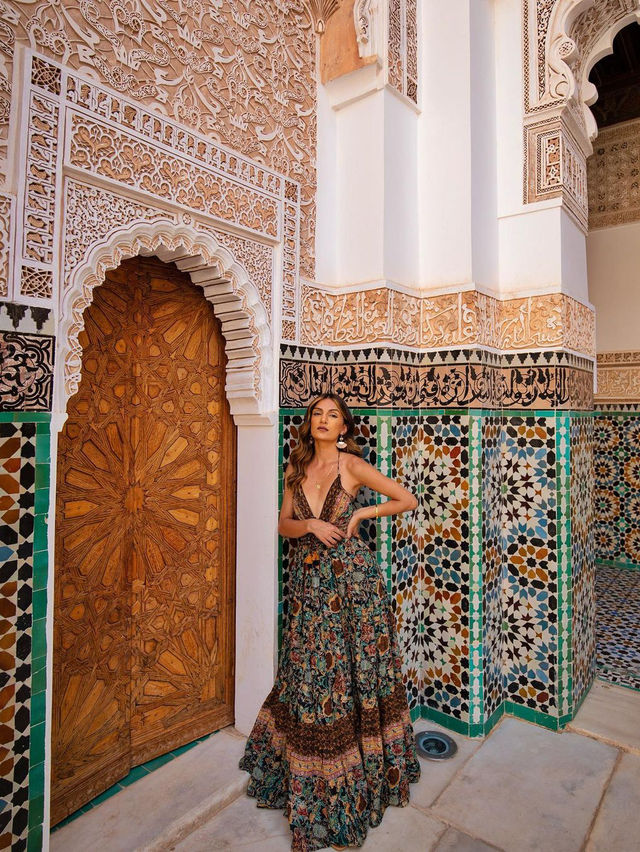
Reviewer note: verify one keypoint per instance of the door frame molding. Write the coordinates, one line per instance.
(251, 391)
(226, 285)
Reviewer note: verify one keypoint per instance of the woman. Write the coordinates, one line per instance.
(333, 742)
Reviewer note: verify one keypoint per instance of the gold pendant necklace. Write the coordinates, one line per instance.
(318, 482)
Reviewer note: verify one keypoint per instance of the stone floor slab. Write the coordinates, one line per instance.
(456, 841)
(241, 825)
(617, 826)
(527, 789)
(138, 815)
(611, 713)
(244, 826)
(437, 774)
(405, 829)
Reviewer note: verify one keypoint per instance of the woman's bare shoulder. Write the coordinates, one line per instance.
(355, 464)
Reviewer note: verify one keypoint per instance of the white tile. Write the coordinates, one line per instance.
(241, 825)
(611, 713)
(136, 816)
(617, 826)
(528, 789)
(436, 774)
(456, 841)
(406, 829)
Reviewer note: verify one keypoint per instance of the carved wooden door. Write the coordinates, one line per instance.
(145, 549)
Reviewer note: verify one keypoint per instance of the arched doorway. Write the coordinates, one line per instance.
(613, 258)
(145, 544)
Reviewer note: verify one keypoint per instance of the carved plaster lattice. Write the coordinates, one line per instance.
(562, 39)
(121, 157)
(37, 225)
(91, 215)
(6, 219)
(239, 73)
(236, 302)
(402, 47)
(322, 10)
(618, 377)
(614, 176)
(364, 19)
(128, 147)
(451, 320)
(257, 259)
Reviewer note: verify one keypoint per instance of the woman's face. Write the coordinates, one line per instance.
(327, 422)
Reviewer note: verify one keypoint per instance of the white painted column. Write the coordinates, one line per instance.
(541, 247)
(256, 570)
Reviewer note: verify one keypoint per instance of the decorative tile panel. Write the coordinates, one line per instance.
(492, 595)
(385, 378)
(529, 589)
(26, 371)
(617, 487)
(583, 555)
(24, 485)
(492, 564)
(618, 628)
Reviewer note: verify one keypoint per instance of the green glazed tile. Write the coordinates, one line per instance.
(39, 646)
(39, 533)
(136, 773)
(36, 811)
(41, 503)
(34, 839)
(39, 604)
(38, 681)
(37, 707)
(158, 761)
(36, 779)
(36, 743)
(43, 449)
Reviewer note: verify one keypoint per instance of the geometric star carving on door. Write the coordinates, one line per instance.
(143, 642)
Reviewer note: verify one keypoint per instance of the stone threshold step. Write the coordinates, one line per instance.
(165, 806)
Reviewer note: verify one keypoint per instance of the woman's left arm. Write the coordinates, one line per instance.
(364, 474)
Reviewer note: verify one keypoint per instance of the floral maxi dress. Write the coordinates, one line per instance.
(333, 742)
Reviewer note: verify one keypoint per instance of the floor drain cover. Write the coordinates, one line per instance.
(435, 746)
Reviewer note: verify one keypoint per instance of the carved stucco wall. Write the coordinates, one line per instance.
(239, 72)
(562, 40)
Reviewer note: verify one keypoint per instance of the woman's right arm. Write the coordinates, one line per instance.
(289, 527)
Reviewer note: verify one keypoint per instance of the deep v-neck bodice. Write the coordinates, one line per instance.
(324, 502)
(336, 506)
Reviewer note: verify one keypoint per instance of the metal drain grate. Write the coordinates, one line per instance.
(435, 746)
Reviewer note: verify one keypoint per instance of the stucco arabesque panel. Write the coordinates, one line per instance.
(618, 377)
(561, 38)
(469, 318)
(157, 158)
(240, 74)
(614, 176)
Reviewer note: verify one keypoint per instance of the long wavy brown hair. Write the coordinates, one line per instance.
(304, 450)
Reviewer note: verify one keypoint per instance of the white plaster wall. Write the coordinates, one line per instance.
(445, 145)
(484, 211)
(509, 105)
(326, 192)
(613, 259)
(400, 200)
(541, 248)
(256, 574)
(360, 190)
